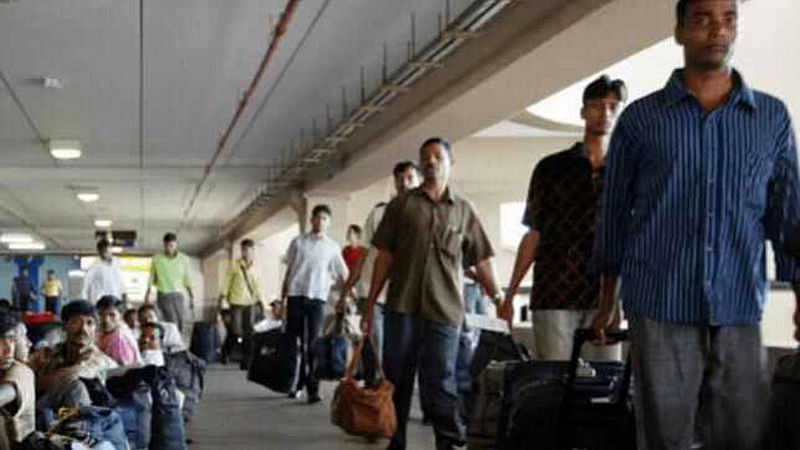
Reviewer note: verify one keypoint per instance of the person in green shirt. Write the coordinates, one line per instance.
(242, 293)
(169, 273)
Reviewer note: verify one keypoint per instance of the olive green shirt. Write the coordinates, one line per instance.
(430, 241)
(241, 284)
(170, 275)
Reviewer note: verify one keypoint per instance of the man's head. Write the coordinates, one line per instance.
(354, 234)
(104, 249)
(51, 274)
(602, 100)
(248, 248)
(406, 176)
(170, 244)
(110, 309)
(131, 318)
(321, 219)
(24, 272)
(147, 314)
(8, 338)
(707, 30)
(436, 159)
(276, 307)
(79, 319)
(151, 337)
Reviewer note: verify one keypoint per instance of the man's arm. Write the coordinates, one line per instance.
(150, 282)
(380, 273)
(526, 254)
(187, 282)
(485, 273)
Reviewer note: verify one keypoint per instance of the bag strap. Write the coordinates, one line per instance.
(247, 280)
(351, 369)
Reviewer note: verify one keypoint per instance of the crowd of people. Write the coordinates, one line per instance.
(666, 205)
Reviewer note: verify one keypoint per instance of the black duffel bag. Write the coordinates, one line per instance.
(189, 372)
(275, 360)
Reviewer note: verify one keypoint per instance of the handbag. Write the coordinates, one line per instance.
(364, 410)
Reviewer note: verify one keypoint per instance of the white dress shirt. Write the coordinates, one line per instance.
(103, 278)
(315, 263)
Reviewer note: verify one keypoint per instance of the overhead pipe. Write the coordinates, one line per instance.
(278, 33)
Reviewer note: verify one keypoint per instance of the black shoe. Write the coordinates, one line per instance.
(293, 394)
(314, 398)
(223, 359)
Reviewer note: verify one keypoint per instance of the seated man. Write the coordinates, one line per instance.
(116, 339)
(150, 342)
(172, 341)
(17, 389)
(58, 368)
(131, 319)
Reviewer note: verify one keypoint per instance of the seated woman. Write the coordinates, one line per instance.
(17, 386)
(115, 338)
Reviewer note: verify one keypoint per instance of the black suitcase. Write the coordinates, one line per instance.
(545, 406)
(785, 427)
(275, 361)
(205, 341)
(494, 346)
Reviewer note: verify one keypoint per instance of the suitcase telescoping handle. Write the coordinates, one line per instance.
(583, 335)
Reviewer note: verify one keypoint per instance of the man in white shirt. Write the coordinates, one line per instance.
(314, 262)
(104, 277)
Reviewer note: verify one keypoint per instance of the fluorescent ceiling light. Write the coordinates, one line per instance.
(27, 246)
(76, 273)
(65, 149)
(16, 238)
(116, 250)
(88, 197)
(102, 223)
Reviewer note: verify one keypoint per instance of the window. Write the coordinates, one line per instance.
(511, 228)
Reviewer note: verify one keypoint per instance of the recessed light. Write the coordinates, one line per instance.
(65, 149)
(102, 223)
(27, 246)
(116, 250)
(16, 238)
(52, 83)
(88, 197)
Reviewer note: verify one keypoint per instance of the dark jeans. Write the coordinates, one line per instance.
(304, 317)
(52, 304)
(241, 326)
(27, 303)
(685, 374)
(410, 342)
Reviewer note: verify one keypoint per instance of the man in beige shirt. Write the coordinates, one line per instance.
(425, 238)
(242, 293)
(17, 387)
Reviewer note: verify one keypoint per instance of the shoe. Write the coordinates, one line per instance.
(426, 420)
(314, 398)
(223, 360)
(293, 394)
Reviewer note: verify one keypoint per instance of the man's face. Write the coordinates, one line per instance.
(8, 344)
(708, 33)
(320, 222)
(406, 181)
(435, 162)
(148, 316)
(109, 319)
(81, 331)
(149, 339)
(106, 254)
(171, 247)
(132, 321)
(600, 114)
(50, 275)
(353, 238)
(248, 253)
(24, 272)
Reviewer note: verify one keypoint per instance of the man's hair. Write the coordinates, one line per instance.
(401, 168)
(77, 308)
(604, 86)
(109, 301)
(144, 308)
(8, 321)
(444, 142)
(247, 243)
(681, 8)
(355, 229)
(49, 271)
(102, 245)
(128, 313)
(321, 209)
(170, 237)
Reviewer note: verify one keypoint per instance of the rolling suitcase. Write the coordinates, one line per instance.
(568, 404)
(205, 341)
(275, 361)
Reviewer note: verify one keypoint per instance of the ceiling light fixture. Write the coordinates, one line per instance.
(27, 246)
(16, 238)
(88, 197)
(102, 223)
(116, 250)
(65, 149)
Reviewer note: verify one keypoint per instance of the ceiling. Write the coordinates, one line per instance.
(198, 56)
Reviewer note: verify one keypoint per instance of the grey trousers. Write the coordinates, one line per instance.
(703, 381)
(170, 306)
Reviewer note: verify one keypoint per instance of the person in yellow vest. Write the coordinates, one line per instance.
(52, 291)
(242, 293)
(169, 273)
(17, 387)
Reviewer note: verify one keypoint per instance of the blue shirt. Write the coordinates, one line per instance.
(690, 198)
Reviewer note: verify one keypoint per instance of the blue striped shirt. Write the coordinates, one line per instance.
(690, 199)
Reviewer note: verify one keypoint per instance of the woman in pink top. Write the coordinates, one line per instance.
(115, 338)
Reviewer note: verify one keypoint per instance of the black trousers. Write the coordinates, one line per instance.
(304, 317)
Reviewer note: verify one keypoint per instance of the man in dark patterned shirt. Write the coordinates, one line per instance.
(561, 214)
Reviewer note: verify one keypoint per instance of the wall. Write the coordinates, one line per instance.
(61, 264)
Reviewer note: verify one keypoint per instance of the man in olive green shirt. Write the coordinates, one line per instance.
(425, 238)
(169, 273)
(242, 292)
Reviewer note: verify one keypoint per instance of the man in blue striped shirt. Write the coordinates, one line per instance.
(699, 175)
